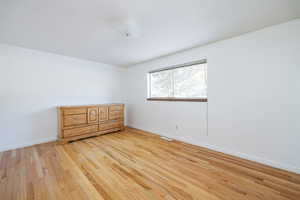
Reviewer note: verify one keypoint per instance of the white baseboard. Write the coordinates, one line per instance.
(245, 156)
(26, 143)
(270, 163)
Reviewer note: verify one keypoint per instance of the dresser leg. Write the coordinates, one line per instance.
(62, 142)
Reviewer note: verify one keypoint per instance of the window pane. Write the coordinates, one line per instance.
(183, 82)
(161, 84)
(190, 82)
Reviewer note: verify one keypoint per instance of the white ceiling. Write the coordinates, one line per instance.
(83, 28)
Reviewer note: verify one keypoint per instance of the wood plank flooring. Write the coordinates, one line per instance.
(133, 165)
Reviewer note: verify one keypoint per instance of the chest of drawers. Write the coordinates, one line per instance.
(76, 122)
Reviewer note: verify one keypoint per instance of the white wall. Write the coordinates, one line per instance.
(253, 101)
(33, 83)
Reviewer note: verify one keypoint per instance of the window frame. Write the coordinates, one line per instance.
(149, 98)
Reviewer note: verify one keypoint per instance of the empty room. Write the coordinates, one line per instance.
(149, 100)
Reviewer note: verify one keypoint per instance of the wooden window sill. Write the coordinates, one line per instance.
(178, 99)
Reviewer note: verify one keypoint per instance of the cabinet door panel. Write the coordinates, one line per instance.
(73, 120)
(92, 115)
(103, 113)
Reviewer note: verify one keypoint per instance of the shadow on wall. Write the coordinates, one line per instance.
(44, 123)
(28, 127)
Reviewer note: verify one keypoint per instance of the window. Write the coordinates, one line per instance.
(186, 82)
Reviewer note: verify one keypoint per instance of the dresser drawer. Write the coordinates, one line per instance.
(110, 125)
(114, 115)
(80, 131)
(74, 111)
(116, 108)
(74, 120)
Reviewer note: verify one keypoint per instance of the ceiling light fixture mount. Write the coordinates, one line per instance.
(126, 27)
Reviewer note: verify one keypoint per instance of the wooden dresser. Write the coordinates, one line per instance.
(77, 122)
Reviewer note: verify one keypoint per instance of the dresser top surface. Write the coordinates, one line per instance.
(89, 105)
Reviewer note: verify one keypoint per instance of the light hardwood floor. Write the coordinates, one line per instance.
(135, 165)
